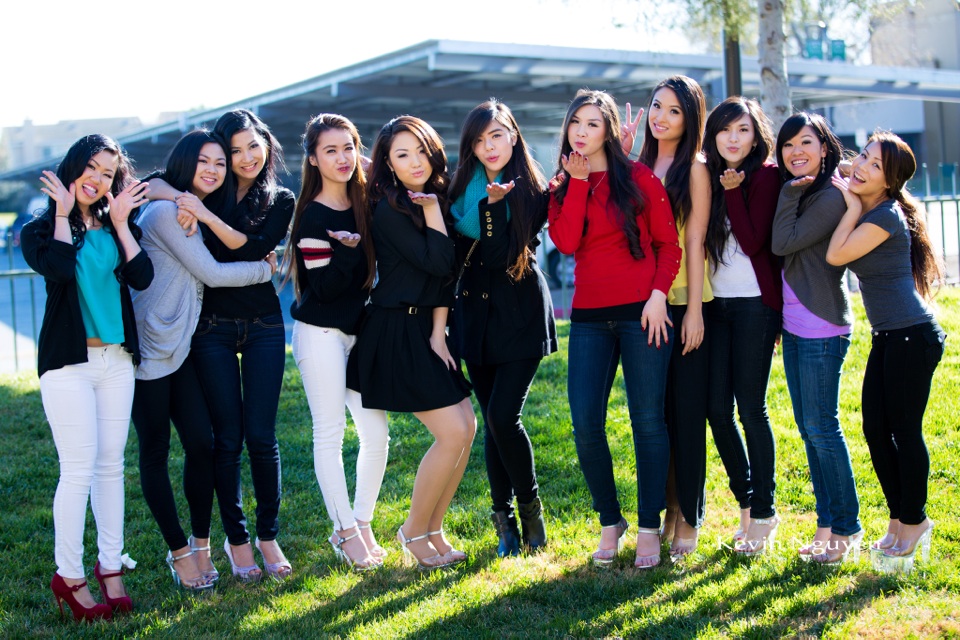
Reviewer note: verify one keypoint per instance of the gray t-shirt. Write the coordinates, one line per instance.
(886, 278)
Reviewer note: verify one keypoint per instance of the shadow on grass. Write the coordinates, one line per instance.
(556, 594)
(667, 602)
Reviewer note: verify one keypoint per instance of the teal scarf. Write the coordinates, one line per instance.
(466, 209)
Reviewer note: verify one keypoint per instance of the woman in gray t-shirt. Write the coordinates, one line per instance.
(883, 239)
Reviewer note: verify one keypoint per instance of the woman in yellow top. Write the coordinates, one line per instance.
(671, 149)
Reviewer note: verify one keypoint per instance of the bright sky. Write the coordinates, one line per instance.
(66, 60)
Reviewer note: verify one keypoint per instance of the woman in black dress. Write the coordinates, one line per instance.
(402, 360)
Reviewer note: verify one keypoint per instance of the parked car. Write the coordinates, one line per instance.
(557, 267)
(14, 230)
(36, 204)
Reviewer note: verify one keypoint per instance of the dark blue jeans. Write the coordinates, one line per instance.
(595, 350)
(744, 332)
(813, 368)
(243, 396)
(896, 387)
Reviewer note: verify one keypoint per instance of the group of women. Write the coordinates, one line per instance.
(690, 263)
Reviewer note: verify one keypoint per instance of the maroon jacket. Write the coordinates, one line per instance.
(751, 220)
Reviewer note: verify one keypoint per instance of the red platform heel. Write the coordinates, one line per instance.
(123, 604)
(65, 593)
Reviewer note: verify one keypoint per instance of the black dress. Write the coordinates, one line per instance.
(395, 369)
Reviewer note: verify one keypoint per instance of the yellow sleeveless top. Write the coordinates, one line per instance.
(678, 291)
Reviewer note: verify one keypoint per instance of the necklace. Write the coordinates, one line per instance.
(599, 182)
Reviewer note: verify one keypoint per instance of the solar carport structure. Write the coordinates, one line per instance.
(441, 80)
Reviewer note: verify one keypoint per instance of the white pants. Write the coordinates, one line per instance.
(321, 354)
(88, 408)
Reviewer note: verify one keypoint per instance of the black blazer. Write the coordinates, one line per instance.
(414, 266)
(496, 319)
(63, 338)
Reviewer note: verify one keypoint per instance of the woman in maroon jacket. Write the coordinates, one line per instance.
(745, 313)
(615, 217)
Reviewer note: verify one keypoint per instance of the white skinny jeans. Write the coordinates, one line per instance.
(88, 408)
(321, 355)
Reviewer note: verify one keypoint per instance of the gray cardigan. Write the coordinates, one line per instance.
(168, 310)
(803, 240)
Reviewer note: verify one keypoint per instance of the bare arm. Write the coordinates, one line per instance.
(691, 332)
(161, 190)
(191, 205)
(850, 241)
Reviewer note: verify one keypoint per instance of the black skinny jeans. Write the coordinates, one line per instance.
(744, 332)
(896, 387)
(176, 397)
(501, 391)
(686, 417)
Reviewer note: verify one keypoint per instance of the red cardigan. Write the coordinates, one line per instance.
(606, 275)
(751, 220)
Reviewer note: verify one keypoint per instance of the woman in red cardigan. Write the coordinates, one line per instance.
(745, 313)
(614, 216)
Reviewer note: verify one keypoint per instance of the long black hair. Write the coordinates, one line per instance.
(382, 183)
(265, 185)
(72, 166)
(694, 108)
(181, 167)
(723, 116)
(626, 200)
(793, 126)
(526, 197)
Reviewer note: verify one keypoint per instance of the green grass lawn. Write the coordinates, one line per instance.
(557, 593)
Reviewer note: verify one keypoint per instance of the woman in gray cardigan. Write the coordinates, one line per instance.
(167, 386)
(816, 326)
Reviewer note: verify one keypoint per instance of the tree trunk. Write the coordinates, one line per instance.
(774, 85)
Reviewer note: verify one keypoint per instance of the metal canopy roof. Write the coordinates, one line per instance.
(441, 80)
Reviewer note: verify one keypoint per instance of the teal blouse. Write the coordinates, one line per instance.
(99, 288)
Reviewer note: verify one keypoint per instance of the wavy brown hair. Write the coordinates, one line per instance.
(899, 165)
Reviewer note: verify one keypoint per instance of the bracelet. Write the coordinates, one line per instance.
(60, 216)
